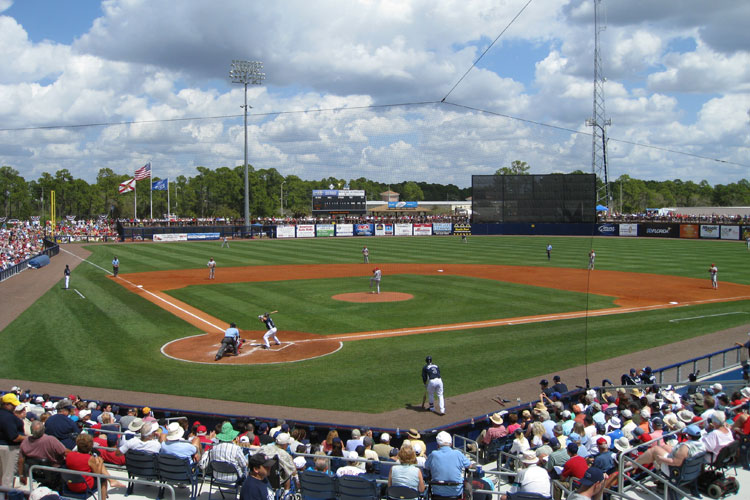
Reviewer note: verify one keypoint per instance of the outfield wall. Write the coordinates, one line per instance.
(348, 230)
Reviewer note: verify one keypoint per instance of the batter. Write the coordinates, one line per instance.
(271, 327)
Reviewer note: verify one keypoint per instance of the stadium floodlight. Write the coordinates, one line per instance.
(246, 72)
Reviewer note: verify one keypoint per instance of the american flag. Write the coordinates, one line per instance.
(144, 172)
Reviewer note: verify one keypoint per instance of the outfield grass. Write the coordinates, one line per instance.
(112, 338)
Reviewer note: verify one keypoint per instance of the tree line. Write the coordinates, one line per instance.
(220, 193)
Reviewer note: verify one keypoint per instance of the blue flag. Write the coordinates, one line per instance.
(162, 185)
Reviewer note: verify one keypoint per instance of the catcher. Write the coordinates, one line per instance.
(271, 327)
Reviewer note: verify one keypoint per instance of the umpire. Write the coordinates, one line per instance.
(433, 385)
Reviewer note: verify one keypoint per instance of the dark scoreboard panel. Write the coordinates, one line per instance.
(339, 201)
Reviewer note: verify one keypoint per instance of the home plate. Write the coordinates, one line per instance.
(674, 302)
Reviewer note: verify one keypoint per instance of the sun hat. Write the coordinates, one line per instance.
(300, 463)
(718, 417)
(283, 438)
(64, 404)
(593, 475)
(148, 428)
(622, 443)
(135, 425)
(637, 393)
(227, 433)
(745, 391)
(614, 423)
(175, 431)
(529, 457)
(497, 419)
(627, 413)
(413, 434)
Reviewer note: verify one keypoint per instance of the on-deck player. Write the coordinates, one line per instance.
(714, 271)
(376, 275)
(66, 273)
(271, 327)
(433, 384)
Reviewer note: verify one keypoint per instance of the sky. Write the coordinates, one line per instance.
(386, 90)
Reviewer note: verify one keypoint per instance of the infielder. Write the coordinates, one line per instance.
(592, 258)
(549, 251)
(433, 385)
(225, 242)
(211, 268)
(366, 255)
(66, 272)
(271, 327)
(713, 271)
(376, 275)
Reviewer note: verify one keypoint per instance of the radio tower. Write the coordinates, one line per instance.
(598, 121)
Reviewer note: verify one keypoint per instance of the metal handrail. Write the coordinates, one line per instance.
(98, 477)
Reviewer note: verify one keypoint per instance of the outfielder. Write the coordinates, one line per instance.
(211, 268)
(714, 271)
(592, 258)
(376, 275)
(433, 385)
(271, 327)
(549, 251)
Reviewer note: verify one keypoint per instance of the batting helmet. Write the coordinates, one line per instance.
(232, 325)
(428, 359)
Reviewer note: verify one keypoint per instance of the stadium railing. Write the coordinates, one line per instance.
(50, 249)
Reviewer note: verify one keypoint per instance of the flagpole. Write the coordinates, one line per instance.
(169, 207)
(151, 191)
(135, 200)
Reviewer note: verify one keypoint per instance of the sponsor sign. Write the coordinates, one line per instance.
(322, 230)
(462, 229)
(422, 229)
(171, 237)
(202, 236)
(689, 231)
(606, 229)
(344, 229)
(402, 229)
(383, 229)
(745, 232)
(710, 231)
(730, 232)
(364, 229)
(628, 229)
(306, 231)
(442, 228)
(660, 230)
(285, 232)
(403, 204)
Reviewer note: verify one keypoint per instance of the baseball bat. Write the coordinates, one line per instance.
(424, 398)
(273, 312)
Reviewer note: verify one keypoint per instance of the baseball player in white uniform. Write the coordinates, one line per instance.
(211, 268)
(433, 384)
(366, 254)
(714, 271)
(271, 330)
(592, 258)
(376, 275)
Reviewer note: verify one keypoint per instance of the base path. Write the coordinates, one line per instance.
(633, 292)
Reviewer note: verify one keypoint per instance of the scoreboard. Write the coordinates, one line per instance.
(339, 201)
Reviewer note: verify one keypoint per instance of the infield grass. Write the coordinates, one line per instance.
(112, 337)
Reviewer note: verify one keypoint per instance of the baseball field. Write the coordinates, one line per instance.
(490, 311)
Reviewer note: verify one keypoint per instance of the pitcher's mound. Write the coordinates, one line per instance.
(373, 297)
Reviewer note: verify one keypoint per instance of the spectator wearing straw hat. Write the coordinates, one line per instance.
(415, 437)
(497, 430)
(178, 447)
(147, 439)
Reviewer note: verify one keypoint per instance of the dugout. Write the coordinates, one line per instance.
(550, 198)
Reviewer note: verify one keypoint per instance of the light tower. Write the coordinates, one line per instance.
(599, 121)
(247, 72)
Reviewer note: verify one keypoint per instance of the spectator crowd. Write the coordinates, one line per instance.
(19, 243)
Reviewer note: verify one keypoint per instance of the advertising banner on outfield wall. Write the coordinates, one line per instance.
(306, 231)
(628, 229)
(322, 230)
(442, 228)
(710, 231)
(344, 229)
(202, 236)
(730, 232)
(422, 229)
(364, 229)
(285, 232)
(659, 230)
(606, 230)
(402, 229)
(691, 231)
(383, 229)
(462, 229)
(171, 237)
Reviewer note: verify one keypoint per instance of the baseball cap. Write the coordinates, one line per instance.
(693, 430)
(259, 459)
(593, 475)
(385, 437)
(601, 440)
(10, 398)
(572, 448)
(443, 438)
